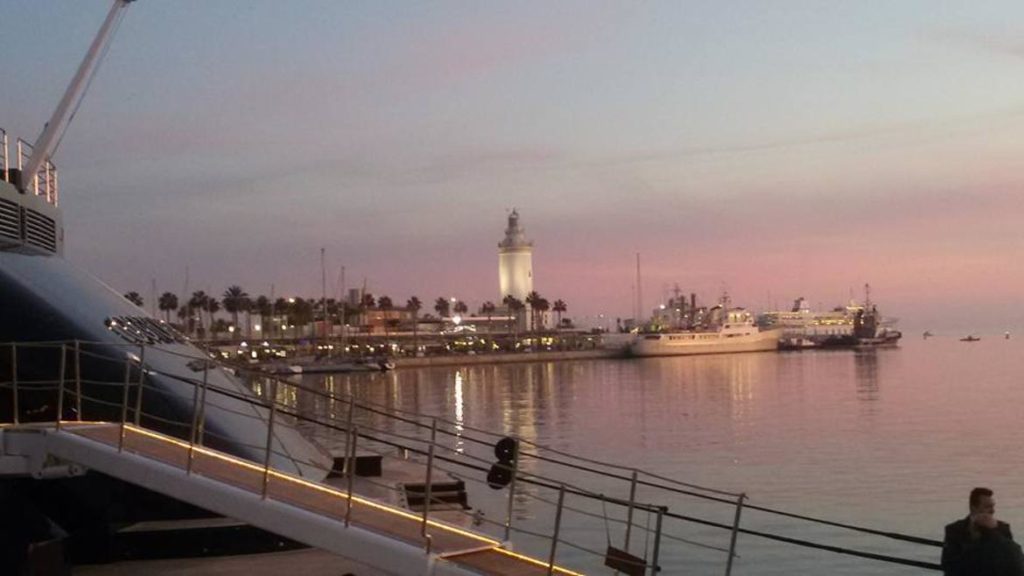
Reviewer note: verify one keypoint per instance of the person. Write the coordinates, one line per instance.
(980, 545)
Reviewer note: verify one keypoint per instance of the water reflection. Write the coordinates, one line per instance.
(459, 413)
(865, 363)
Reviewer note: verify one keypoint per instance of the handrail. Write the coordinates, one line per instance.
(44, 181)
(437, 455)
(3, 155)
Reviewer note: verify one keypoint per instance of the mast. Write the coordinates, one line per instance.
(344, 316)
(639, 293)
(47, 142)
(323, 299)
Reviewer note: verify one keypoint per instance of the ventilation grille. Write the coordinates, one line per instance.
(10, 220)
(40, 230)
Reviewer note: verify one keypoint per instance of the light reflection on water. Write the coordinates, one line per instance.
(891, 439)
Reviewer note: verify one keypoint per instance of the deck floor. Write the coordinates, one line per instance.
(476, 552)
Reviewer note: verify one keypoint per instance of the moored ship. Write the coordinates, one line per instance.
(737, 333)
(853, 325)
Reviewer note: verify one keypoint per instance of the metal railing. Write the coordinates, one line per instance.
(568, 495)
(3, 156)
(42, 183)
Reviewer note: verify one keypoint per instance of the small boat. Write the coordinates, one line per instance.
(927, 334)
(970, 338)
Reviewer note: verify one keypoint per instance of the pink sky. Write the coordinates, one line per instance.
(775, 151)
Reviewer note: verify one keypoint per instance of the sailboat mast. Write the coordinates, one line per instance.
(639, 292)
(323, 299)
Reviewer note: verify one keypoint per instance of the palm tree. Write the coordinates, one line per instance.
(234, 298)
(515, 305)
(460, 307)
(301, 312)
(368, 301)
(246, 306)
(263, 308)
(539, 308)
(134, 298)
(280, 306)
(488, 308)
(185, 318)
(197, 302)
(442, 306)
(414, 305)
(559, 307)
(532, 298)
(385, 305)
(212, 307)
(167, 303)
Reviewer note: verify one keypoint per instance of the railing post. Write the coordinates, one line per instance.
(124, 402)
(657, 540)
(14, 380)
(351, 471)
(142, 380)
(629, 512)
(78, 380)
(428, 486)
(195, 424)
(270, 437)
(201, 423)
(60, 386)
(735, 532)
(511, 494)
(558, 525)
(348, 434)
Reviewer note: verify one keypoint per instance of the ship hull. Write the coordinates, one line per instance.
(695, 343)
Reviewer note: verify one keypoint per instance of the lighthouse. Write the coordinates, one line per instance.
(515, 261)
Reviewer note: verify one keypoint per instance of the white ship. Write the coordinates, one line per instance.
(737, 333)
(844, 326)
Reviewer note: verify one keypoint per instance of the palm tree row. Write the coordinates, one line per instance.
(235, 300)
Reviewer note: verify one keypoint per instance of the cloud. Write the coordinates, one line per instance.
(993, 43)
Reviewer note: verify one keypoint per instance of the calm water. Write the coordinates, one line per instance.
(891, 439)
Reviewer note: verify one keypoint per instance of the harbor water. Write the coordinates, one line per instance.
(890, 439)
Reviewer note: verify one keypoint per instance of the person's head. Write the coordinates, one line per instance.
(982, 502)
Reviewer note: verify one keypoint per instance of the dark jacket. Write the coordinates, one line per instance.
(994, 553)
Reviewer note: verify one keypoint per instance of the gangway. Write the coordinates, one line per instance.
(113, 427)
(133, 448)
(332, 519)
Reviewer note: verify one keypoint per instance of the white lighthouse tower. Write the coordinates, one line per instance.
(515, 261)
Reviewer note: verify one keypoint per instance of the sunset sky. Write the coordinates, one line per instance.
(772, 149)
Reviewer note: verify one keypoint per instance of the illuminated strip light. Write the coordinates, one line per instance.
(315, 486)
(492, 545)
(537, 562)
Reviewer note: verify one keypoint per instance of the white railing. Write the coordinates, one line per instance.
(443, 448)
(44, 182)
(3, 155)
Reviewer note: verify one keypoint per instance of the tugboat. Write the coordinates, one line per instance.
(868, 329)
(970, 338)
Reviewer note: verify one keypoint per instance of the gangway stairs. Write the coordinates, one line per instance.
(391, 539)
